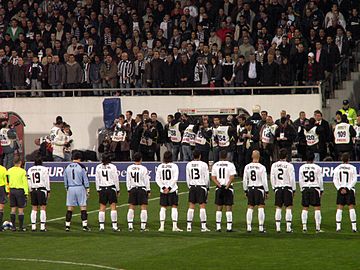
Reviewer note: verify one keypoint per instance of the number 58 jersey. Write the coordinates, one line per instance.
(282, 175)
(310, 175)
(167, 175)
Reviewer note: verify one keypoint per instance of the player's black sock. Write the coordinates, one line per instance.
(68, 216)
(1, 216)
(12, 218)
(84, 215)
(21, 220)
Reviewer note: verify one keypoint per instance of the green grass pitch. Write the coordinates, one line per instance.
(195, 250)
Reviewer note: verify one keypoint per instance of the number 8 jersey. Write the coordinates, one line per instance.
(255, 176)
(310, 175)
(167, 175)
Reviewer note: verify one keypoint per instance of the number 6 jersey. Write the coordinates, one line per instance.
(310, 175)
(38, 177)
(167, 175)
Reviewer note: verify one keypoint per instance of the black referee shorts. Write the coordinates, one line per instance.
(39, 196)
(169, 199)
(17, 198)
(108, 195)
(198, 194)
(224, 196)
(256, 196)
(138, 196)
(346, 199)
(3, 199)
(283, 196)
(311, 197)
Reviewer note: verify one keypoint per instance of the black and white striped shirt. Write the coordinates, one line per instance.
(125, 71)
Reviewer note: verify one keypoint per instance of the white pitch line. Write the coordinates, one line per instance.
(61, 262)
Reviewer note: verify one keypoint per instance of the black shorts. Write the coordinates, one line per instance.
(169, 199)
(311, 197)
(283, 197)
(256, 196)
(3, 199)
(224, 196)
(108, 195)
(17, 198)
(39, 197)
(138, 196)
(198, 194)
(346, 199)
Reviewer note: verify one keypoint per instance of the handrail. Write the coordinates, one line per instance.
(314, 89)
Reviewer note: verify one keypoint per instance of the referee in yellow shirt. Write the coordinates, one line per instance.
(2, 194)
(19, 189)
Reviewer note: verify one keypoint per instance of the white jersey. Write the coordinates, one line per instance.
(268, 133)
(311, 136)
(357, 130)
(137, 176)
(197, 173)
(342, 133)
(38, 177)
(255, 176)
(106, 176)
(174, 133)
(223, 170)
(53, 132)
(345, 176)
(167, 175)
(239, 129)
(4, 138)
(119, 134)
(189, 136)
(222, 133)
(310, 175)
(213, 138)
(282, 175)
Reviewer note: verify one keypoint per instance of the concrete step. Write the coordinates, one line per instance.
(341, 93)
(355, 76)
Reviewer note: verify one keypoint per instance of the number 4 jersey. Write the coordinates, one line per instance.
(282, 175)
(167, 175)
(106, 176)
(38, 177)
(310, 175)
(137, 176)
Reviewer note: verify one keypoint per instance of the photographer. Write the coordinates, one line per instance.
(8, 143)
(147, 146)
(121, 137)
(203, 138)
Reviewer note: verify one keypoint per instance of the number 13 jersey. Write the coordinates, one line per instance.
(197, 174)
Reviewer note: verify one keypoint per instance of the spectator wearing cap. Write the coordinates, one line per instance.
(312, 73)
(349, 112)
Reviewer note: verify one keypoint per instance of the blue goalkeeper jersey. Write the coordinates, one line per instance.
(75, 175)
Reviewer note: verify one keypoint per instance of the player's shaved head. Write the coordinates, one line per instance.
(255, 155)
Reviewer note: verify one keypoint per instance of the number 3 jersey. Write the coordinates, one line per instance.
(223, 170)
(197, 174)
(255, 176)
(310, 175)
(345, 176)
(106, 176)
(167, 175)
(38, 177)
(137, 176)
(282, 175)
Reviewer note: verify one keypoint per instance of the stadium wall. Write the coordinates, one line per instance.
(85, 114)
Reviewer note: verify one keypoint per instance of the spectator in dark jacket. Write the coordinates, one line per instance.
(215, 73)
(252, 72)
(73, 73)
(332, 54)
(94, 75)
(56, 73)
(312, 73)
(18, 75)
(184, 72)
(285, 135)
(168, 72)
(285, 76)
(270, 74)
(156, 66)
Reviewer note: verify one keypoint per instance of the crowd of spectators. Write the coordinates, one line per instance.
(54, 44)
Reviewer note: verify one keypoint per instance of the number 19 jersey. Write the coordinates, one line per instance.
(38, 177)
(310, 175)
(106, 176)
(167, 175)
(282, 175)
(197, 174)
(255, 176)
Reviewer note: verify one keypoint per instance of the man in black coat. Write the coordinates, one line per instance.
(332, 54)
(324, 137)
(252, 72)
(270, 74)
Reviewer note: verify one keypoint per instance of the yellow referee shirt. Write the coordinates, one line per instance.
(2, 176)
(18, 179)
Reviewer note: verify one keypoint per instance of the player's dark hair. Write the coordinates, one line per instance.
(177, 116)
(38, 161)
(58, 120)
(122, 116)
(17, 159)
(223, 154)
(283, 153)
(137, 157)
(154, 114)
(167, 157)
(345, 157)
(196, 154)
(310, 156)
(77, 155)
(130, 112)
(105, 159)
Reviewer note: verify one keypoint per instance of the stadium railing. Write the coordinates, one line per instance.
(192, 91)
